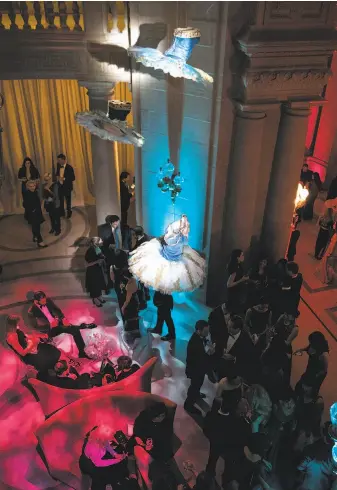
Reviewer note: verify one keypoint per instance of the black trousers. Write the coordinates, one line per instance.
(55, 219)
(36, 230)
(321, 242)
(65, 194)
(193, 392)
(164, 315)
(72, 330)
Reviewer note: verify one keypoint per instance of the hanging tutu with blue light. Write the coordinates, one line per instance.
(168, 264)
(111, 127)
(174, 60)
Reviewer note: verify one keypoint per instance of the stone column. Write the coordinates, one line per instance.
(106, 181)
(287, 163)
(243, 177)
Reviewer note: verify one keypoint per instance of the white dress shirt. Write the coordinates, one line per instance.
(47, 314)
(231, 341)
(62, 171)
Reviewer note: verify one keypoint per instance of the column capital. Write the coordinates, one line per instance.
(99, 90)
(297, 109)
(250, 111)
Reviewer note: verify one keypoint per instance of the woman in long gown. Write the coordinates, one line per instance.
(168, 264)
(328, 266)
(30, 347)
(314, 190)
(95, 275)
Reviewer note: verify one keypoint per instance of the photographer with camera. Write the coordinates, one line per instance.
(105, 459)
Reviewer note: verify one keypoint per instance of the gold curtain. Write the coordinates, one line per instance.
(38, 121)
(124, 154)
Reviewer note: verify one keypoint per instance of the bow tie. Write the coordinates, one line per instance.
(62, 166)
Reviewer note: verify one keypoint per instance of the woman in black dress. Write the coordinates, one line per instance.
(318, 360)
(257, 323)
(96, 278)
(277, 357)
(259, 282)
(27, 172)
(32, 347)
(315, 188)
(34, 213)
(236, 283)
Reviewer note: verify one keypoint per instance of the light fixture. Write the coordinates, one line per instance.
(169, 180)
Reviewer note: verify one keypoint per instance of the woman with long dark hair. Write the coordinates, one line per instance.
(318, 361)
(315, 188)
(27, 172)
(236, 283)
(31, 347)
(96, 277)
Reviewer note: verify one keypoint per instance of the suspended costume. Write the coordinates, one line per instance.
(111, 127)
(168, 264)
(174, 60)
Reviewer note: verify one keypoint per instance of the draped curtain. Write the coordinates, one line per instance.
(38, 121)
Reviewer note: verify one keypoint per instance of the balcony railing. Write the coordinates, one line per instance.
(61, 16)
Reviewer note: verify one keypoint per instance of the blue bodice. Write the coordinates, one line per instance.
(182, 48)
(173, 247)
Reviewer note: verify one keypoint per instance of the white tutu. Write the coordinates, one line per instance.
(96, 122)
(149, 266)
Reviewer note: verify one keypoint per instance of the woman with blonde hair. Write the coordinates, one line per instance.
(103, 459)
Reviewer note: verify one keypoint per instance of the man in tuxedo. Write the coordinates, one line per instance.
(140, 236)
(65, 175)
(198, 363)
(110, 233)
(49, 318)
(126, 196)
(164, 304)
(235, 347)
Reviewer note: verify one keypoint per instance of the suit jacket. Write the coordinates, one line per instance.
(197, 360)
(41, 322)
(69, 177)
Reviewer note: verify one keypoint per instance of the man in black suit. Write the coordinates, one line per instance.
(235, 347)
(140, 236)
(198, 362)
(65, 175)
(49, 318)
(164, 304)
(110, 233)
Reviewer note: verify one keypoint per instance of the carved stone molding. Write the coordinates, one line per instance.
(286, 80)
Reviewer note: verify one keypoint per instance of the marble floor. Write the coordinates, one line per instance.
(59, 271)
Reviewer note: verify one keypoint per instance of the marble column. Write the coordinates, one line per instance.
(243, 177)
(106, 181)
(287, 163)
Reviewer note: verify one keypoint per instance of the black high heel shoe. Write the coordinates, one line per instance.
(102, 301)
(98, 305)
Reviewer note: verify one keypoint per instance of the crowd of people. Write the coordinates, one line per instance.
(269, 434)
(53, 195)
(262, 427)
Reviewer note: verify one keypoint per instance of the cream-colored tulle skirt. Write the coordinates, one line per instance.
(149, 266)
